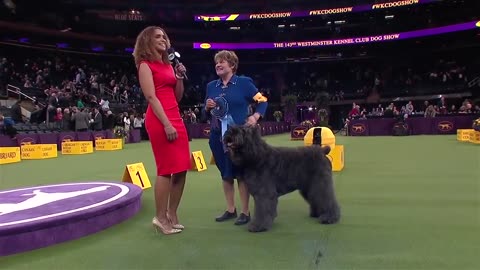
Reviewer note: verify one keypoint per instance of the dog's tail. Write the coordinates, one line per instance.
(326, 149)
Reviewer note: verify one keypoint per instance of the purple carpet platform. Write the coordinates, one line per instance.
(37, 217)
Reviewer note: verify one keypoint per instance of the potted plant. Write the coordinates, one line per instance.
(322, 118)
(307, 123)
(290, 103)
(120, 133)
(323, 102)
(278, 115)
(476, 125)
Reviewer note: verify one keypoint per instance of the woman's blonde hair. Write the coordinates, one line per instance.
(145, 49)
(228, 56)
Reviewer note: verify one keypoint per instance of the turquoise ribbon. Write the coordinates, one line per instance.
(226, 121)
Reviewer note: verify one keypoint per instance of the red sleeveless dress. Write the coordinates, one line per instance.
(170, 157)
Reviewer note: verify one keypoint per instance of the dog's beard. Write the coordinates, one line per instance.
(234, 148)
(241, 143)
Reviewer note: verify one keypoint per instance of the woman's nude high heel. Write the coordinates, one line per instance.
(176, 226)
(159, 226)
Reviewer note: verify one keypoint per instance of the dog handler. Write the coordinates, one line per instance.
(227, 100)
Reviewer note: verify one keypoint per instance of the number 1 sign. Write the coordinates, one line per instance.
(137, 175)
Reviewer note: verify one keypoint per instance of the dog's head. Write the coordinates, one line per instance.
(242, 143)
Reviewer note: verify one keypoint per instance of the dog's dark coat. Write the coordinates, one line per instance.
(270, 172)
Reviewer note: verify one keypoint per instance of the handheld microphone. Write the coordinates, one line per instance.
(174, 56)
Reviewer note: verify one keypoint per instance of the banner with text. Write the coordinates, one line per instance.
(337, 42)
(307, 13)
(9, 155)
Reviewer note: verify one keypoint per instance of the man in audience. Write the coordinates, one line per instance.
(97, 120)
(81, 119)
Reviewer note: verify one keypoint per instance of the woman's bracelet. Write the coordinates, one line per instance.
(179, 77)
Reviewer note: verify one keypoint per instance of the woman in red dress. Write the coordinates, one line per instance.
(163, 89)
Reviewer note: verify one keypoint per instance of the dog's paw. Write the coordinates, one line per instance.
(329, 218)
(252, 227)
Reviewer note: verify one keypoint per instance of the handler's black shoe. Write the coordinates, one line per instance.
(226, 216)
(242, 219)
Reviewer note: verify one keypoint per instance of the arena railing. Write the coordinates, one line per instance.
(14, 90)
(109, 92)
(17, 91)
(474, 82)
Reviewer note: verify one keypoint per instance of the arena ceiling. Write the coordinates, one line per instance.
(93, 21)
(101, 17)
(206, 4)
(184, 7)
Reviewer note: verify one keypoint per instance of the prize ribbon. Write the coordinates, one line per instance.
(221, 113)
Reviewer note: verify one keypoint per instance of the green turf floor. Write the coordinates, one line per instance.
(407, 203)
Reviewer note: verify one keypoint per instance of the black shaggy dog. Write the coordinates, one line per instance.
(271, 172)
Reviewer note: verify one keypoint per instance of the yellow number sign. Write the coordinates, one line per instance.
(198, 162)
(137, 175)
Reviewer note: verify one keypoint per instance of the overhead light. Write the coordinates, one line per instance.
(281, 26)
(389, 17)
(10, 5)
(234, 27)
